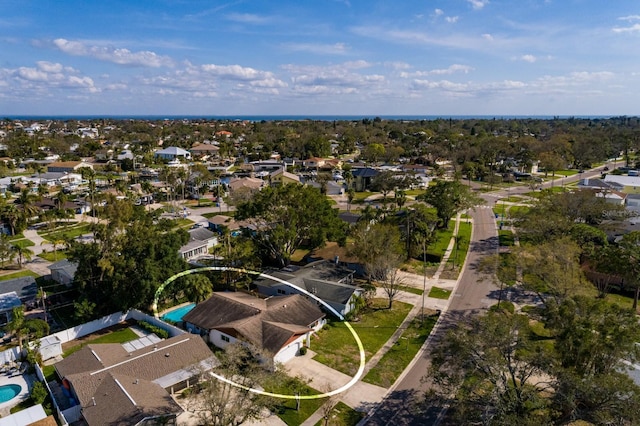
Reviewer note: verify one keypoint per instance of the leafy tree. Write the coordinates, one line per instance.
(84, 309)
(418, 229)
(289, 216)
(628, 254)
(379, 250)
(197, 288)
(6, 252)
(220, 403)
(450, 198)
(494, 369)
(551, 270)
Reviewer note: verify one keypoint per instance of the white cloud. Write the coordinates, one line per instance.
(143, 58)
(632, 29)
(45, 78)
(487, 37)
(452, 19)
(455, 68)
(334, 79)
(322, 49)
(630, 18)
(478, 4)
(438, 12)
(528, 58)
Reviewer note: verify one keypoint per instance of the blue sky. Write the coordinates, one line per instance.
(315, 57)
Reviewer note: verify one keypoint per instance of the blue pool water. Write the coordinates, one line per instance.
(8, 392)
(177, 314)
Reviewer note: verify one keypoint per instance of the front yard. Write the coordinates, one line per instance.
(336, 348)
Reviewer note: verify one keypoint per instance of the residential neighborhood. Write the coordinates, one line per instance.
(287, 223)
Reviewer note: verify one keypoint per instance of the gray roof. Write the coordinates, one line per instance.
(266, 323)
(200, 234)
(65, 265)
(24, 287)
(364, 172)
(323, 279)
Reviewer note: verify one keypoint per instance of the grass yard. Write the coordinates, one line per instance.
(443, 236)
(506, 238)
(336, 348)
(23, 243)
(458, 256)
(393, 363)
(25, 273)
(121, 335)
(299, 254)
(53, 256)
(342, 415)
(517, 210)
(564, 173)
(286, 408)
(70, 232)
(439, 293)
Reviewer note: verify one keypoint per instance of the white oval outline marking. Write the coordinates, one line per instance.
(341, 389)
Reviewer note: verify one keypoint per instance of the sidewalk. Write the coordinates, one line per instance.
(362, 396)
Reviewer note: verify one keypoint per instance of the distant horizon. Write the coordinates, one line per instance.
(301, 117)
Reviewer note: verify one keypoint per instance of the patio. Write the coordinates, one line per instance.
(10, 374)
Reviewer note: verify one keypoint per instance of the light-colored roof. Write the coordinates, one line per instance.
(173, 150)
(623, 180)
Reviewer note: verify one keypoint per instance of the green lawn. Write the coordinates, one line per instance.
(439, 293)
(25, 273)
(393, 363)
(70, 232)
(53, 256)
(342, 415)
(122, 335)
(119, 336)
(286, 408)
(16, 237)
(458, 256)
(564, 173)
(336, 347)
(23, 243)
(517, 210)
(443, 236)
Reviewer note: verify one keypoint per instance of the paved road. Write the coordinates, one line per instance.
(474, 293)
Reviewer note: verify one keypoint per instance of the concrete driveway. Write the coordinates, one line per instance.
(323, 378)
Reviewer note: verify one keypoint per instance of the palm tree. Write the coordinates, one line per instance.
(90, 175)
(13, 216)
(16, 324)
(23, 253)
(60, 200)
(26, 200)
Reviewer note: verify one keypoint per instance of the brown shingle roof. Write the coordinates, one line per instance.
(266, 323)
(93, 372)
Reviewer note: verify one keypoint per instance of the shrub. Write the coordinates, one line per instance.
(38, 393)
(303, 350)
(163, 334)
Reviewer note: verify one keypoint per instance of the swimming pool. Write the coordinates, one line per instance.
(8, 392)
(177, 314)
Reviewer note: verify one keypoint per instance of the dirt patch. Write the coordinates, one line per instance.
(99, 333)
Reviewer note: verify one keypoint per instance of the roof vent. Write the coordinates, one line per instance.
(167, 355)
(137, 381)
(284, 306)
(93, 401)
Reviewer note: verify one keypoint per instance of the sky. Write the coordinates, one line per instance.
(320, 57)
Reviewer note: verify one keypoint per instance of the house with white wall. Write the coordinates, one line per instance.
(277, 326)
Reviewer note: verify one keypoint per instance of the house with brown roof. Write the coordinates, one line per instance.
(67, 166)
(277, 326)
(115, 384)
(202, 149)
